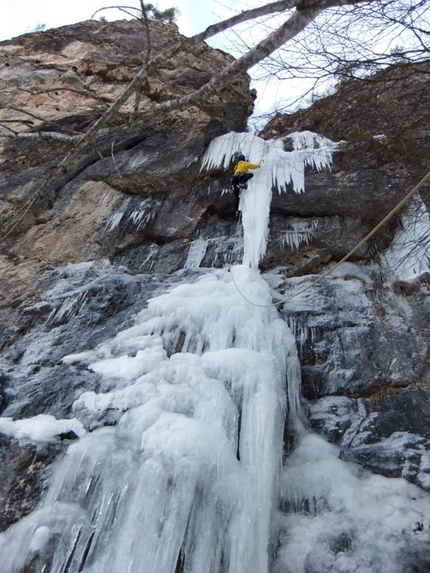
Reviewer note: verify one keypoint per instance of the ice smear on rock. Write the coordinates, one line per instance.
(280, 169)
(409, 253)
(337, 517)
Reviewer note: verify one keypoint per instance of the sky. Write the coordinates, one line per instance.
(22, 16)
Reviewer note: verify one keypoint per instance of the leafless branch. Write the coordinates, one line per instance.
(43, 120)
(300, 15)
(123, 8)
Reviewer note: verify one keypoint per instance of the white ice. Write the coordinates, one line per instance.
(196, 253)
(409, 254)
(198, 396)
(341, 518)
(41, 428)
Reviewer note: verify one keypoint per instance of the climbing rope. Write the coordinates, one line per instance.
(347, 256)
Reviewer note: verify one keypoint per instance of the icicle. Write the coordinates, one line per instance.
(116, 217)
(70, 307)
(301, 232)
(301, 331)
(146, 212)
(113, 221)
(196, 252)
(138, 217)
(150, 258)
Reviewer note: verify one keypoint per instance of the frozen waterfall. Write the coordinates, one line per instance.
(196, 389)
(179, 463)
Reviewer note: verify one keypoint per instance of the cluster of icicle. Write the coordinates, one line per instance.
(298, 232)
(279, 169)
(137, 217)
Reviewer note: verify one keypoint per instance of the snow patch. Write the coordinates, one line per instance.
(41, 428)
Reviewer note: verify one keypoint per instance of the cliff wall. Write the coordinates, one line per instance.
(121, 225)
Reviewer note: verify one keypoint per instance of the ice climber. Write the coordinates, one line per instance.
(241, 176)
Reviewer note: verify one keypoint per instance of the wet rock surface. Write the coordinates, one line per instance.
(365, 359)
(22, 472)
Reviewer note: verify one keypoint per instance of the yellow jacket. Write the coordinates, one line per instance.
(243, 166)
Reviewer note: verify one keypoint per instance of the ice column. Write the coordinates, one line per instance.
(279, 169)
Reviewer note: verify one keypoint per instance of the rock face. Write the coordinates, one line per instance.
(364, 347)
(136, 215)
(365, 369)
(146, 193)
